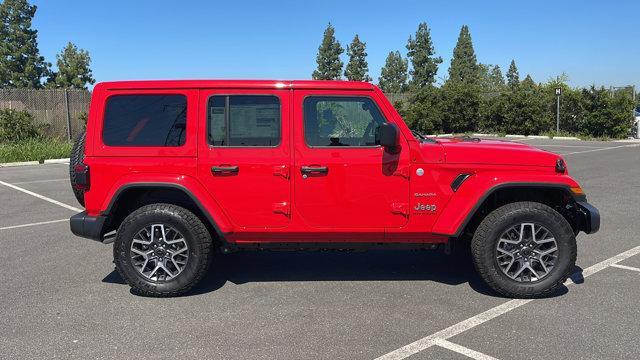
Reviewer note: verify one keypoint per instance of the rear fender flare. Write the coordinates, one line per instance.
(193, 190)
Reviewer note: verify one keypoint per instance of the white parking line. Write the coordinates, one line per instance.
(571, 146)
(39, 181)
(602, 149)
(33, 224)
(72, 208)
(470, 323)
(625, 267)
(463, 350)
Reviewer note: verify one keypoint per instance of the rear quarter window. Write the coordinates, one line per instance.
(145, 120)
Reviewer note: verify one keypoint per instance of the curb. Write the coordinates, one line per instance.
(566, 138)
(57, 161)
(28, 163)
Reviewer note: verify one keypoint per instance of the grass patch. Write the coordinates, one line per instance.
(34, 150)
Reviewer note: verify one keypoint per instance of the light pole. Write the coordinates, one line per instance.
(558, 93)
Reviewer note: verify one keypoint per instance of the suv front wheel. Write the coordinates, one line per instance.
(524, 250)
(162, 250)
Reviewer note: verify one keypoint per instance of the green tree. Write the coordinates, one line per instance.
(492, 112)
(571, 104)
(525, 110)
(328, 58)
(73, 69)
(393, 76)
(496, 79)
(606, 114)
(572, 112)
(464, 65)
(513, 78)
(357, 69)
(491, 79)
(461, 92)
(21, 65)
(424, 63)
(424, 112)
(460, 107)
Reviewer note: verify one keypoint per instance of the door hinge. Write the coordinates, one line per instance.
(282, 208)
(281, 170)
(400, 208)
(403, 171)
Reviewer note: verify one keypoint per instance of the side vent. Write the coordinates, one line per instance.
(457, 182)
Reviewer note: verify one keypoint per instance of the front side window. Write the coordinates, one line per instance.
(145, 120)
(244, 120)
(341, 121)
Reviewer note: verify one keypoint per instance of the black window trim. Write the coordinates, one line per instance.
(336, 96)
(226, 120)
(144, 93)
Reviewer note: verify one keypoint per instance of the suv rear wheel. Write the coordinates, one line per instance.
(524, 250)
(162, 250)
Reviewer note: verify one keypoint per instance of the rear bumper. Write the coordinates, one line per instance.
(86, 226)
(588, 217)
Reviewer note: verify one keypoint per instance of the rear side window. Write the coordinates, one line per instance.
(145, 120)
(244, 120)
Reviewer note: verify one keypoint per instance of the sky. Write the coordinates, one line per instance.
(593, 42)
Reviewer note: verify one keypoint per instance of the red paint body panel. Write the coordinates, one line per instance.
(368, 195)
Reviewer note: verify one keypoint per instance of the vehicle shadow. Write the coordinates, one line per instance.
(373, 265)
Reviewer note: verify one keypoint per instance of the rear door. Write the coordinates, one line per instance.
(244, 155)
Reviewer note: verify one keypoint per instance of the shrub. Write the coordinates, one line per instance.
(423, 112)
(606, 115)
(525, 110)
(492, 113)
(17, 126)
(460, 107)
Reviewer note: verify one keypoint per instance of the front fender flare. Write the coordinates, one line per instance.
(464, 204)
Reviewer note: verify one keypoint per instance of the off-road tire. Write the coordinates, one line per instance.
(76, 157)
(194, 232)
(484, 242)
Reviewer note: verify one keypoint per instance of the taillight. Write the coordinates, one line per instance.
(82, 181)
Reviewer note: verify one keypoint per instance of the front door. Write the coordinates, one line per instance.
(342, 178)
(244, 157)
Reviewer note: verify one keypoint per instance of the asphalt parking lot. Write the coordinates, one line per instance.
(61, 297)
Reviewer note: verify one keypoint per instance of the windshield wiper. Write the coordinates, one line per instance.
(421, 137)
(418, 135)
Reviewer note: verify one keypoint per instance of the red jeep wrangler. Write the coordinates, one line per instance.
(171, 170)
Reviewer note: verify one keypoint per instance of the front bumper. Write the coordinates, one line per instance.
(86, 226)
(588, 217)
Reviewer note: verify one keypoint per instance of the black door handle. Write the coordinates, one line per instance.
(314, 170)
(224, 170)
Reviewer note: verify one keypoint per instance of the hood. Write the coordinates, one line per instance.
(494, 152)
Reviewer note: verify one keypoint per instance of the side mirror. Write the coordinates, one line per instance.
(389, 135)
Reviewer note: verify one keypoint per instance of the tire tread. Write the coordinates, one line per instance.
(203, 240)
(489, 273)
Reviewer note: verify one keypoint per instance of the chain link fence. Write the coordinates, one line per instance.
(395, 97)
(61, 113)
